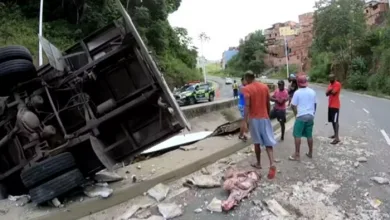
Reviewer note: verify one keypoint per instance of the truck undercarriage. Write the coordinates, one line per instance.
(99, 103)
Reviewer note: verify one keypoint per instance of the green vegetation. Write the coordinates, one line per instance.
(250, 56)
(345, 46)
(66, 22)
(281, 73)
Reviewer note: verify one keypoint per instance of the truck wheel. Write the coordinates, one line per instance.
(57, 186)
(47, 169)
(211, 97)
(14, 52)
(13, 72)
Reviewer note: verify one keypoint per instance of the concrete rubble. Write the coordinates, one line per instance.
(380, 180)
(159, 192)
(169, 210)
(153, 217)
(203, 181)
(20, 200)
(98, 191)
(105, 176)
(215, 205)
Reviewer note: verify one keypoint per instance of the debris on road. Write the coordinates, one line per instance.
(153, 217)
(129, 213)
(203, 181)
(97, 191)
(380, 180)
(205, 171)
(169, 210)
(143, 214)
(56, 202)
(215, 205)
(198, 210)
(20, 200)
(159, 192)
(188, 148)
(105, 176)
(276, 208)
(375, 203)
(4, 211)
(356, 164)
(362, 159)
(239, 184)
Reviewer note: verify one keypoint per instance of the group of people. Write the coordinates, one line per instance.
(255, 108)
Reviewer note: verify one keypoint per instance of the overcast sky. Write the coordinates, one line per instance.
(226, 21)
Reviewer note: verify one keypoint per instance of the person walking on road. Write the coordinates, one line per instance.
(304, 106)
(235, 89)
(241, 105)
(333, 92)
(256, 113)
(280, 97)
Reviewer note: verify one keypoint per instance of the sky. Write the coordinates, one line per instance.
(227, 21)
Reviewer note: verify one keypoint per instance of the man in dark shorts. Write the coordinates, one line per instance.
(333, 92)
(280, 97)
(256, 113)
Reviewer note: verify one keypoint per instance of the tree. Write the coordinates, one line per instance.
(250, 55)
(339, 26)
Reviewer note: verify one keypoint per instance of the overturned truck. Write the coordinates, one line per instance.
(97, 104)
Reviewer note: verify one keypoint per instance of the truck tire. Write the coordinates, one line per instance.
(3, 192)
(13, 72)
(47, 169)
(57, 186)
(14, 52)
(211, 97)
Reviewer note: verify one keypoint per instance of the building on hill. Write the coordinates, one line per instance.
(228, 55)
(298, 37)
(375, 12)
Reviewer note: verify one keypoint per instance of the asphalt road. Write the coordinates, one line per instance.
(329, 186)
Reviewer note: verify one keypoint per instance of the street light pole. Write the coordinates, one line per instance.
(40, 33)
(286, 53)
(203, 38)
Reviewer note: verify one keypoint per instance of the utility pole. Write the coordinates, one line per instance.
(203, 38)
(40, 33)
(286, 53)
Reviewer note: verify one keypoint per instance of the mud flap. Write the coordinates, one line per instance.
(98, 148)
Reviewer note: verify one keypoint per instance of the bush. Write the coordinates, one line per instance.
(357, 81)
(376, 82)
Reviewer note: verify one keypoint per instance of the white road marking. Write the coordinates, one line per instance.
(352, 101)
(366, 111)
(385, 136)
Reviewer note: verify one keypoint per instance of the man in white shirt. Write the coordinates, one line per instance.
(304, 106)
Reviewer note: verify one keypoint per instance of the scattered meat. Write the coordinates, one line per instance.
(240, 184)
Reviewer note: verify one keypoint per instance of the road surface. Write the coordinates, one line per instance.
(330, 186)
(329, 183)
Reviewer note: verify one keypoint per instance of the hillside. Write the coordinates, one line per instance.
(67, 21)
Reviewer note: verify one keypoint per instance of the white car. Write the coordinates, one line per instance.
(228, 81)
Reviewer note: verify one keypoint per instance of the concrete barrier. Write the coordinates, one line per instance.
(204, 108)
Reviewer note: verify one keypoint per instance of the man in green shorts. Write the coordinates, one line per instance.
(304, 106)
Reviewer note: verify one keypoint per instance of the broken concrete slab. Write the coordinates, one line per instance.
(105, 176)
(361, 159)
(215, 205)
(98, 191)
(276, 208)
(380, 180)
(143, 214)
(169, 210)
(153, 217)
(159, 192)
(203, 181)
(129, 213)
(198, 210)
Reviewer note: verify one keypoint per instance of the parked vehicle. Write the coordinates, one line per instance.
(97, 104)
(228, 81)
(191, 94)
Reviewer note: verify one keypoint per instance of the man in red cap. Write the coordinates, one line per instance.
(304, 106)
